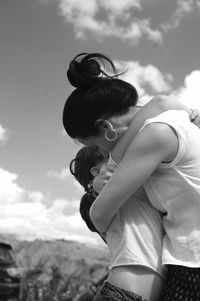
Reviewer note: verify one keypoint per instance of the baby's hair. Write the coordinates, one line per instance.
(84, 209)
(85, 159)
(80, 167)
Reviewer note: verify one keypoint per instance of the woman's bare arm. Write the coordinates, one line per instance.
(154, 144)
(156, 106)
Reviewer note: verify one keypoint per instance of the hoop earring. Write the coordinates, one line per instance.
(114, 132)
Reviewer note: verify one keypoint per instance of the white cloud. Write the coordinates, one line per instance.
(111, 18)
(138, 29)
(145, 78)
(10, 192)
(189, 92)
(4, 134)
(149, 76)
(184, 8)
(121, 6)
(30, 215)
(78, 186)
(63, 174)
(80, 13)
(36, 196)
(104, 19)
(198, 4)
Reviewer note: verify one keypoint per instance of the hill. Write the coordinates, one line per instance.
(59, 268)
(62, 253)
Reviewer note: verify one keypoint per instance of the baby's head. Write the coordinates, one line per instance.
(86, 165)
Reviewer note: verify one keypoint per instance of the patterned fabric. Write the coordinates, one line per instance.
(182, 284)
(110, 292)
(9, 275)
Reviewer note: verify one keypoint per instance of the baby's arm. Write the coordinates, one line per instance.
(155, 107)
(104, 175)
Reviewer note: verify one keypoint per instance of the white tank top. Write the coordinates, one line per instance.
(174, 189)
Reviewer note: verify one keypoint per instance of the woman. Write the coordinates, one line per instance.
(98, 113)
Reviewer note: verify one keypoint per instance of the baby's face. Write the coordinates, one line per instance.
(99, 165)
(95, 170)
(99, 157)
(102, 178)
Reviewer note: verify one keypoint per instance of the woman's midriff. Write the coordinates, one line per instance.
(138, 279)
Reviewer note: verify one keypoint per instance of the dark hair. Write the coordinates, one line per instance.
(97, 94)
(85, 159)
(84, 209)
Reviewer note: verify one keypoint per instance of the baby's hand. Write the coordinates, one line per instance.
(195, 117)
(100, 181)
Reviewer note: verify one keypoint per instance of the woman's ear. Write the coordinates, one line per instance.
(94, 171)
(104, 124)
(105, 127)
(101, 126)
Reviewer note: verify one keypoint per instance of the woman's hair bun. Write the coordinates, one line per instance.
(85, 69)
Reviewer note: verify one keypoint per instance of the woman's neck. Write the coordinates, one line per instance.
(121, 123)
(123, 141)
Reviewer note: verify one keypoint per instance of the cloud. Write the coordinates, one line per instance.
(63, 174)
(4, 135)
(121, 7)
(110, 18)
(139, 29)
(184, 8)
(147, 79)
(189, 92)
(198, 4)
(10, 192)
(31, 214)
(104, 19)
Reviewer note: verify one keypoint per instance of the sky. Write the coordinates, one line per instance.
(157, 41)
